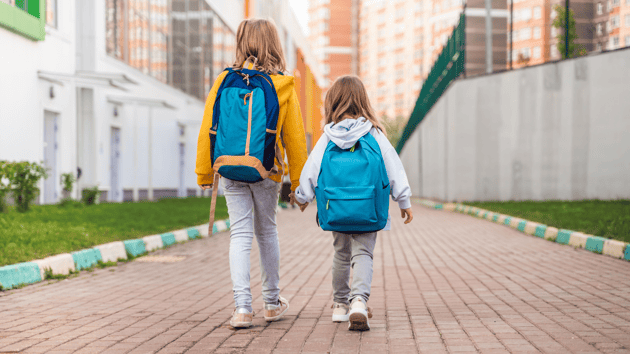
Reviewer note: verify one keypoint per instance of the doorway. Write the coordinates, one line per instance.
(50, 156)
(116, 194)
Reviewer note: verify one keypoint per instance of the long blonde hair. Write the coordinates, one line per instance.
(259, 38)
(347, 98)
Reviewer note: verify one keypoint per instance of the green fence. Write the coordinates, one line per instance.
(447, 67)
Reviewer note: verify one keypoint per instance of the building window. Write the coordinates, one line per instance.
(554, 51)
(537, 33)
(614, 42)
(627, 20)
(536, 52)
(537, 12)
(51, 13)
(525, 33)
(608, 28)
(598, 47)
(627, 41)
(614, 22)
(599, 29)
(609, 7)
(600, 8)
(615, 3)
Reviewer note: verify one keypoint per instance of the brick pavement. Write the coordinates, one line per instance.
(446, 283)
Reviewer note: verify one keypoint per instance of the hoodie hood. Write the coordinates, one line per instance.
(284, 85)
(346, 133)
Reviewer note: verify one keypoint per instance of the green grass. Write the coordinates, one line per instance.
(51, 229)
(609, 219)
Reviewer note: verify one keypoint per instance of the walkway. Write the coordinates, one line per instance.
(447, 283)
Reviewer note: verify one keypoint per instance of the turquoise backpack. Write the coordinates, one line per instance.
(352, 188)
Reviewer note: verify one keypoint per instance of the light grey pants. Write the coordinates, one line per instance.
(356, 251)
(252, 206)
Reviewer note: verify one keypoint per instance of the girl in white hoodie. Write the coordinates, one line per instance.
(349, 116)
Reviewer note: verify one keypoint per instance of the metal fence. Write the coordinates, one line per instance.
(447, 67)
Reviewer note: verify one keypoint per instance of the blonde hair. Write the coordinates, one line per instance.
(259, 39)
(347, 98)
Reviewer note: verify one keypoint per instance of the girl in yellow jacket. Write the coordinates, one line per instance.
(252, 206)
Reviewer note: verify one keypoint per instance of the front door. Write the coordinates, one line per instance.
(116, 193)
(50, 157)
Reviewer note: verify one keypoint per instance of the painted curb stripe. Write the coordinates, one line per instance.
(86, 258)
(627, 253)
(181, 235)
(113, 251)
(564, 236)
(193, 233)
(578, 239)
(595, 244)
(614, 248)
(521, 225)
(135, 247)
(58, 264)
(495, 217)
(153, 242)
(507, 221)
(540, 231)
(21, 273)
(215, 229)
(168, 239)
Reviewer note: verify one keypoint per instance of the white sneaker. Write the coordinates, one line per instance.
(275, 312)
(340, 312)
(241, 318)
(358, 316)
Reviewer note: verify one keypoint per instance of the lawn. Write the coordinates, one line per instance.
(51, 229)
(609, 219)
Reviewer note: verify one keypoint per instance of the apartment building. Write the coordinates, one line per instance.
(111, 90)
(611, 23)
(399, 41)
(301, 61)
(532, 32)
(333, 34)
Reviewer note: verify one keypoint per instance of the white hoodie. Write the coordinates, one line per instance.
(345, 134)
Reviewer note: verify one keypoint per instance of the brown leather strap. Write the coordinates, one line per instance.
(213, 203)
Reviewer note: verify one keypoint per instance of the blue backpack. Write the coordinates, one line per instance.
(244, 127)
(352, 188)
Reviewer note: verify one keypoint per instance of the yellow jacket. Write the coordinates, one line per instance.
(290, 128)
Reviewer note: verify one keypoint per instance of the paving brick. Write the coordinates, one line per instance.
(448, 282)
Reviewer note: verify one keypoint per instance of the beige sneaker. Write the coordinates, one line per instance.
(358, 316)
(275, 312)
(241, 318)
(340, 312)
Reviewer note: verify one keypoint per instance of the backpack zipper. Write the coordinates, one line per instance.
(327, 204)
(249, 120)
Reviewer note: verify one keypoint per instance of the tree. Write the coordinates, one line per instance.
(394, 128)
(575, 50)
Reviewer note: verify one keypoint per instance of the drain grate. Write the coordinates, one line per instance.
(160, 259)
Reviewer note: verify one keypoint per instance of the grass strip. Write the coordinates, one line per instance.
(47, 230)
(608, 219)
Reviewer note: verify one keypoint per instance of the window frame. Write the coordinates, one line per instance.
(30, 23)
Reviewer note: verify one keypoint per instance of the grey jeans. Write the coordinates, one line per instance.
(356, 251)
(252, 209)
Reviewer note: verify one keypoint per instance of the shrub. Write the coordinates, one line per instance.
(89, 196)
(5, 185)
(23, 177)
(67, 181)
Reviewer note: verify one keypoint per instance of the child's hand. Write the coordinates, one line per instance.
(205, 186)
(293, 201)
(406, 213)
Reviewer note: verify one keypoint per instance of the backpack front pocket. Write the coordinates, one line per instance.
(350, 206)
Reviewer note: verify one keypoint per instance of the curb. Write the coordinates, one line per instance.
(595, 244)
(20, 274)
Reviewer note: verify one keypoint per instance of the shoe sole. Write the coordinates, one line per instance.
(276, 318)
(358, 322)
(240, 324)
(340, 318)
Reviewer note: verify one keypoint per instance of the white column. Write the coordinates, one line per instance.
(150, 196)
(136, 194)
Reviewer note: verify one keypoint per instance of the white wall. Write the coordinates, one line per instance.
(24, 97)
(554, 131)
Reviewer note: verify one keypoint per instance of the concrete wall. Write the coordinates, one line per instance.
(554, 131)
